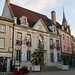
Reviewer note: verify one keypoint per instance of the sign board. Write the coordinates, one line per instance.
(5, 54)
(24, 52)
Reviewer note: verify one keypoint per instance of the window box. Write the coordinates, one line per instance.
(19, 42)
(52, 46)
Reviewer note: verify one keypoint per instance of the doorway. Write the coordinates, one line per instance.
(42, 58)
(3, 62)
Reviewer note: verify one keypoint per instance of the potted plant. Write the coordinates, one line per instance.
(65, 59)
(36, 61)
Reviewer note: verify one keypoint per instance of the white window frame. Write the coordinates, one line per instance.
(2, 28)
(19, 37)
(2, 41)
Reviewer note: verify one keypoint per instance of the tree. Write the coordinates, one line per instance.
(36, 58)
(65, 58)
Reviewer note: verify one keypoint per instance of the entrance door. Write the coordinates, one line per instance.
(42, 59)
(3, 64)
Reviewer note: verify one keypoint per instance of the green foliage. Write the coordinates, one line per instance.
(36, 58)
(65, 58)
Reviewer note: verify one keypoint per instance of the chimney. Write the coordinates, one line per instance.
(53, 17)
(8, 2)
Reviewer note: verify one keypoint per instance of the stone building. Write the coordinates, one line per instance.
(5, 43)
(34, 31)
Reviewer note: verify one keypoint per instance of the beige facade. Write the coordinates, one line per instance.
(28, 34)
(38, 32)
(5, 42)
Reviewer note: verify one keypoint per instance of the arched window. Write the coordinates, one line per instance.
(40, 42)
(28, 40)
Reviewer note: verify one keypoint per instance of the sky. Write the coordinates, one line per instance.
(46, 7)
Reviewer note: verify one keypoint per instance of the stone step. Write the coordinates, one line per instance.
(50, 69)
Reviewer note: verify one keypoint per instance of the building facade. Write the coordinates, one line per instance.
(30, 34)
(5, 43)
(31, 31)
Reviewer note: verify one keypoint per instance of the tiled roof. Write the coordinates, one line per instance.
(32, 17)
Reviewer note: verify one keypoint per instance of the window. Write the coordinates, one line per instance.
(68, 49)
(18, 55)
(67, 38)
(52, 57)
(28, 55)
(51, 41)
(53, 29)
(19, 36)
(24, 21)
(63, 37)
(64, 48)
(2, 42)
(57, 42)
(2, 28)
(58, 57)
(28, 40)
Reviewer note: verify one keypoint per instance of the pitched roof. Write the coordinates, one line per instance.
(32, 16)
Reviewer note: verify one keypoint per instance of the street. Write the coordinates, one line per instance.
(69, 72)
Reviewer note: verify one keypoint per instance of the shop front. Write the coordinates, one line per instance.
(5, 61)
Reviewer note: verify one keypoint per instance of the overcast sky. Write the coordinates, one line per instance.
(46, 6)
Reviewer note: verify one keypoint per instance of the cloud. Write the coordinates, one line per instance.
(73, 32)
(36, 5)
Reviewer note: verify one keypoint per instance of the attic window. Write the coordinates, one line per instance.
(24, 21)
(53, 29)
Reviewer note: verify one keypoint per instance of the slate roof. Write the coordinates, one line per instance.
(32, 17)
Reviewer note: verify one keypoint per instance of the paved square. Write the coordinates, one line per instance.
(70, 72)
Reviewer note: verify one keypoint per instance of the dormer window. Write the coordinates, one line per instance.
(67, 30)
(62, 27)
(23, 21)
(53, 29)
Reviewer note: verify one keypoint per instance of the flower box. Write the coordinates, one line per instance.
(19, 42)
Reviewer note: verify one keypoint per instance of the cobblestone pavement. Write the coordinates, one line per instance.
(69, 72)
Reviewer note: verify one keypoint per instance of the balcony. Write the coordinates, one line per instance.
(58, 47)
(52, 46)
(28, 43)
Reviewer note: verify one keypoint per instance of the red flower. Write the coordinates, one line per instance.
(15, 71)
(20, 42)
(21, 71)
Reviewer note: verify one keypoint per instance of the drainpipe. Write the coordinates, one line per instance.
(12, 44)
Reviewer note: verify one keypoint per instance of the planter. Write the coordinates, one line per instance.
(36, 68)
(65, 67)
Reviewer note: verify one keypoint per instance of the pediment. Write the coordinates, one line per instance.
(40, 25)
